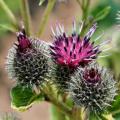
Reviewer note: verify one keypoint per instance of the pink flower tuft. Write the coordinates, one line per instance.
(72, 50)
(23, 41)
(92, 75)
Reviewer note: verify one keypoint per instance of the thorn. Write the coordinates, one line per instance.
(53, 31)
(81, 27)
(74, 26)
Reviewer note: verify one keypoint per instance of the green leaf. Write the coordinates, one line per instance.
(115, 104)
(117, 116)
(108, 117)
(24, 98)
(115, 109)
(41, 2)
(100, 5)
(102, 14)
(7, 27)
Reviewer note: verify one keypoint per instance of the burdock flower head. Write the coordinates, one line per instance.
(71, 51)
(27, 60)
(93, 87)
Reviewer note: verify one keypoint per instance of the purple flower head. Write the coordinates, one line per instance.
(27, 61)
(23, 41)
(73, 50)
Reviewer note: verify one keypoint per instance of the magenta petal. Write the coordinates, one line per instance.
(74, 51)
(23, 42)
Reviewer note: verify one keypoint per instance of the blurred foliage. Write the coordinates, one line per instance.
(107, 23)
(110, 19)
(113, 61)
(115, 104)
(7, 27)
(115, 109)
(4, 21)
(102, 14)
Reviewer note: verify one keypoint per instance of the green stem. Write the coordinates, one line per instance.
(76, 114)
(115, 112)
(85, 10)
(84, 5)
(54, 100)
(9, 14)
(45, 17)
(56, 114)
(24, 7)
(62, 107)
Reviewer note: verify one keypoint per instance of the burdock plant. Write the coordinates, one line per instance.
(65, 72)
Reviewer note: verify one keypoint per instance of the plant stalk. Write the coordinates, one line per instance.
(115, 112)
(84, 5)
(85, 9)
(9, 14)
(76, 113)
(24, 7)
(45, 17)
(48, 91)
(56, 114)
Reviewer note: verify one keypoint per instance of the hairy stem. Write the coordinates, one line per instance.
(45, 17)
(55, 101)
(24, 7)
(56, 114)
(76, 113)
(9, 14)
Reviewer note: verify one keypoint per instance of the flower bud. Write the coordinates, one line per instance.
(27, 61)
(93, 87)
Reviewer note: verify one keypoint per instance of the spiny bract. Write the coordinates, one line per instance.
(93, 87)
(61, 76)
(27, 60)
